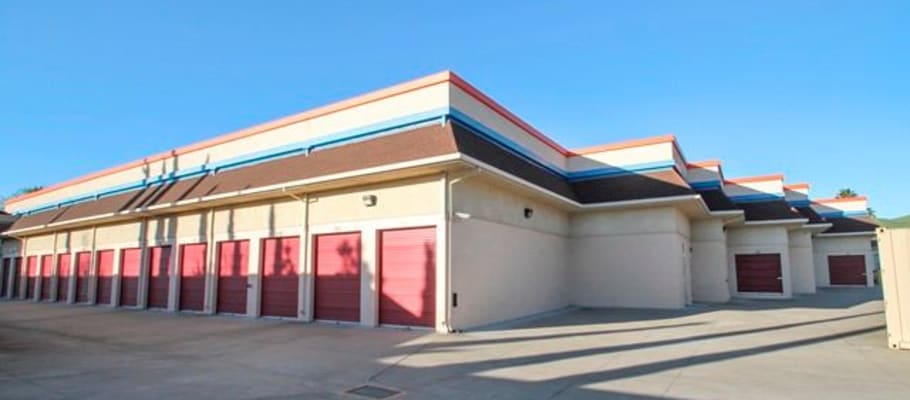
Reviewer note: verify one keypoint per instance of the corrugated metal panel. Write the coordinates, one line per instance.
(847, 270)
(31, 270)
(894, 250)
(280, 280)
(759, 273)
(337, 266)
(83, 264)
(63, 276)
(407, 270)
(105, 277)
(233, 264)
(159, 276)
(47, 270)
(192, 276)
(130, 261)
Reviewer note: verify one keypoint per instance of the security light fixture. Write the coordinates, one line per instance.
(369, 200)
(529, 212)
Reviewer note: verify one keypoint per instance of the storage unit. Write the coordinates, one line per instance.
(427, 204)
(47, 269)
(159, 276)
(63, 277)
(336, 264)
(407, 277)
(233, 264)
(894, 247)
(759, 273)
(83, 266)
(31, 268)
(847, 270)
(280, 278)
(105, 283)
(130, 262)
(192, 276)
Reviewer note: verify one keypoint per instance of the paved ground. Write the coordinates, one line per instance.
(831, 345)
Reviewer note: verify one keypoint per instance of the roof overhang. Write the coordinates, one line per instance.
(328, 182)
(817, 228)
(846, 234)
(790, 224)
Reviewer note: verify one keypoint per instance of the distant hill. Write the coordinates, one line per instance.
(900, 222)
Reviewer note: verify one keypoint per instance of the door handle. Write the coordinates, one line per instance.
(780, 278)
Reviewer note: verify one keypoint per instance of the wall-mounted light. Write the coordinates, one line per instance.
(529, 212)
(369, 200)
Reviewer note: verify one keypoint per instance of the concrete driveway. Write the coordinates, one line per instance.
(830, 345)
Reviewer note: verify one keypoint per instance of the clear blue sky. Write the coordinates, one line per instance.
(816, 90)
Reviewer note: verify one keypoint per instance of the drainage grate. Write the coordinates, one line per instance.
(373, 392)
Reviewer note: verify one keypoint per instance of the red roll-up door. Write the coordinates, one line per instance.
(159, 276)
(130, 261)
(63, 277)
(847, 270)
(17, 276)
(233, 263)
(280, 260)
(407, 271)
(192, 276)
(83, 264)
(47, 269)
(759, 273)
(4, 276)
(105, 277)
(337, 266)
(31, 270)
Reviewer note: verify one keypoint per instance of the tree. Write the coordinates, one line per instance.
(846, 192)
(20, 192)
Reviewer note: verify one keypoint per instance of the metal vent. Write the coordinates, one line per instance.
(373, 392)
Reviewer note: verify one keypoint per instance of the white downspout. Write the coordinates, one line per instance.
(450, 218)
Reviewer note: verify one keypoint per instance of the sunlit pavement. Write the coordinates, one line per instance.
(831, 345)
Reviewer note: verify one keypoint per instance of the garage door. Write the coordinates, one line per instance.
(31, 270)
(159, 276)
(759, 273)
(83, 263)
(47, 269)
(280, 260)
(337, 267)
(17, 277)
(847, 270)
(130, 260)
(192, 276)
(63, 277)
(233, 258)
(407, 270)
(105, 277)
(4, 275)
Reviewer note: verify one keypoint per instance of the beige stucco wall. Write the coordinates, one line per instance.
(846, 245)
(759, 240)
(504, 265)
(802, 265)
(710, 275)
(636, 258)
(39, 245)
(404, 198)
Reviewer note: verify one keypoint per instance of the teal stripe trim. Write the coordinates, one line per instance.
(359, 134)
